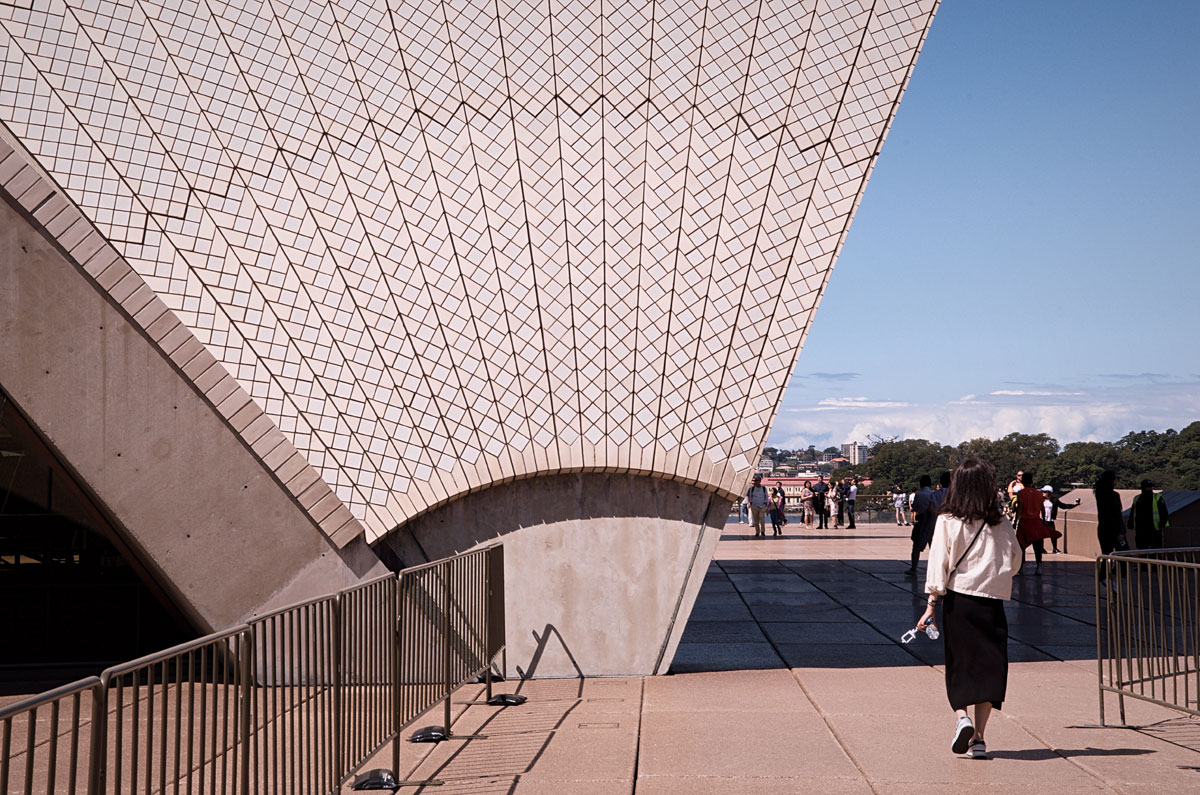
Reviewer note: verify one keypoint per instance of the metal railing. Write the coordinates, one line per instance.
(47, 739)
(1148, 628)
(294, 701)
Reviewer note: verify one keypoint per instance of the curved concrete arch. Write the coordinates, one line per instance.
(601, 569)
(535, 474)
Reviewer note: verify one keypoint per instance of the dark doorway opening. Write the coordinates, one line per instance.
(74, 598)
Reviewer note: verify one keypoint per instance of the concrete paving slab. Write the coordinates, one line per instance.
(789, 599)
(845, 655)
(1022, 652)
(759, 785)
(829, 716)
(1055, 635)
(589, 750)
(709, 598)
(1032, 787)
(692, 657)
(808, 614)
(761, 692)
(817, 633)
(721, 612)
(901, 615)
(722, 586)
(913, 690)
(917, 749)
(774, 584)
(722, 632)
(551, 741)
(728, 744)
(1109, 754)
(526, 786)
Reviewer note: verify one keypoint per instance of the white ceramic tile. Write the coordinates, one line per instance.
(446, 243)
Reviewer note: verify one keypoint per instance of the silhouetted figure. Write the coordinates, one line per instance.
(1148, 518)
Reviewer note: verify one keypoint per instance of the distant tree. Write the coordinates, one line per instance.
(1171, 459)
(1082, 462)
(1015, 452)
(902, 463)
(874, 441)
(832, 450)
(859, 471)
(1183, 458)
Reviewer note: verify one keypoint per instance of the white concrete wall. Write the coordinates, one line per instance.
(601, 570)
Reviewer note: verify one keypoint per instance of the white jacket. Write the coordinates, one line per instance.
(989, 565)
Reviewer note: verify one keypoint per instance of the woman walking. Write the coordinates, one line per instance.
(971, 565)
(806, 500)
(778, 520)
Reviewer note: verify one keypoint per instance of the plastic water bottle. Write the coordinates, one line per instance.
(929, 629)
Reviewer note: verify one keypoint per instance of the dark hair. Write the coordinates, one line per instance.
(972, 494)
(944, 479)
(925, 481)
(1105, 483)
(1026, 478)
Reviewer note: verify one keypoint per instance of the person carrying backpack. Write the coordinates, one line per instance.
(759, 501)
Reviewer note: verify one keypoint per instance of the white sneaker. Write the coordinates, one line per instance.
(964, 730)
(978, 750)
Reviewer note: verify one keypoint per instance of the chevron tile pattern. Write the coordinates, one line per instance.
(445, 245)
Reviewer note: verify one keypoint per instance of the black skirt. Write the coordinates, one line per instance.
(975, 631)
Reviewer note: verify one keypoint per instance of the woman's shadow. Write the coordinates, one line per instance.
(1047, 754)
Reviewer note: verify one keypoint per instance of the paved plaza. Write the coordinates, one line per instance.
(791, 679)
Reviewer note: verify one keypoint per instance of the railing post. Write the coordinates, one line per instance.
(1099, 652)
(487, 621)
(397, 668)
(338, 675)
(446, 640)
(96, 768)
(246, 654)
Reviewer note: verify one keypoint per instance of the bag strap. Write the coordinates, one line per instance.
(974, 538)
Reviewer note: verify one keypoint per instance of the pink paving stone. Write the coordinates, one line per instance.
(854, 724)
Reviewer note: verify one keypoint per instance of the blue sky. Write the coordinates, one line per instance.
(1025, 256)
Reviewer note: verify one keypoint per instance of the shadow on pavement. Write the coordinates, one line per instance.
(824, 613)
(1047, 754)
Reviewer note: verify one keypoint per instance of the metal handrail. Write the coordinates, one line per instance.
(1148, 628)
(1163, 554)
(26, 711)
(294, 700)
(186, 646)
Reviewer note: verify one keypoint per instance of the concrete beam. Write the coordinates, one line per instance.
(185, 490)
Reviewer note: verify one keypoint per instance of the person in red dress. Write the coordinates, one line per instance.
(1031, 527)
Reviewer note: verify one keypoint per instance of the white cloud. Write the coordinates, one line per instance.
(1030, 393)
(861, 403)
(1100, 415)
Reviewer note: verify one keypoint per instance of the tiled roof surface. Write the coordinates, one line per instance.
(443, 245)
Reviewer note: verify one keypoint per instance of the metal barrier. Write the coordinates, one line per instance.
(1148, 631)
(58, 749)
(294, 701)
(295, 689)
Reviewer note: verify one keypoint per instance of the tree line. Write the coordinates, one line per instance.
(1171, 459)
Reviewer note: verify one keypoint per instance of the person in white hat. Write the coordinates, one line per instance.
(1050, 506)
